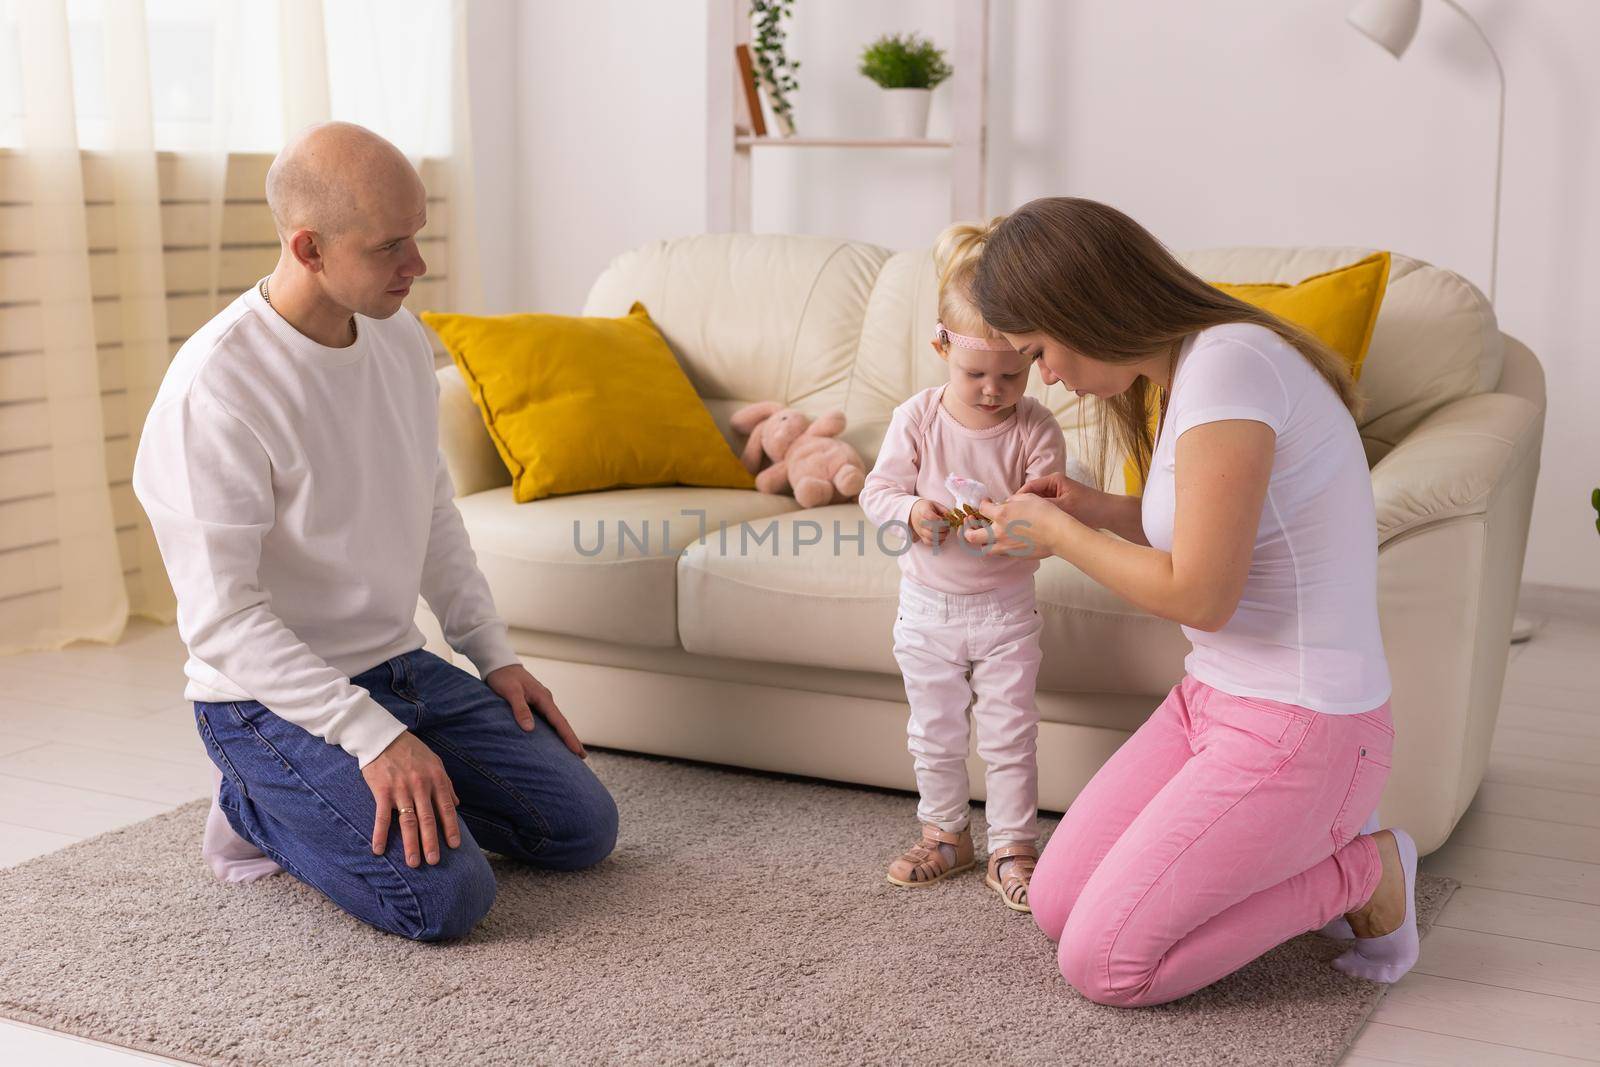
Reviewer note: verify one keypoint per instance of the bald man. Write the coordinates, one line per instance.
(291, 471)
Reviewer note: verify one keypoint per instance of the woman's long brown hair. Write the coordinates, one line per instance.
(1096, 281)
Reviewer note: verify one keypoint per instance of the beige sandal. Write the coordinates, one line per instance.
(1013, 884)
(925, 864)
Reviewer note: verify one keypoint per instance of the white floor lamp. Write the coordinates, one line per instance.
(1392, 24)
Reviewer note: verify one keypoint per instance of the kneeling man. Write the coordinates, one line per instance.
(291, 471)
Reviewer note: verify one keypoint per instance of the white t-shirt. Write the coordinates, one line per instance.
(301, 505)
(1306, 629)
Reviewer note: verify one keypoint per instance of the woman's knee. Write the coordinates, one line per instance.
(1050, 903)
(1086, 958)
(1085, 972)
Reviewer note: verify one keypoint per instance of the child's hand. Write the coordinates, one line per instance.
(930, 521)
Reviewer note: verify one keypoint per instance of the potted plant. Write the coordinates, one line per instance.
(907, 68)
(774, 69)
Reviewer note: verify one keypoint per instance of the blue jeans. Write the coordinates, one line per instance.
(304, 802)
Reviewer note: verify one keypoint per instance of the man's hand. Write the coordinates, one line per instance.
(407, 777)
(520, 689)
(930, 522)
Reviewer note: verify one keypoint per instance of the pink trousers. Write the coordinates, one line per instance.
(1223, 827)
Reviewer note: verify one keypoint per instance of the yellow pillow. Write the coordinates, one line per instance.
(1339, 307)
(579, 404)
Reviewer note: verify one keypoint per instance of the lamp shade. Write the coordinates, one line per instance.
(1391, 23)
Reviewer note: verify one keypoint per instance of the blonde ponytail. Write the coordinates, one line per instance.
(955, 257)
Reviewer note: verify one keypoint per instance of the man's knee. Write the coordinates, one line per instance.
(452, 898)
(590, 832)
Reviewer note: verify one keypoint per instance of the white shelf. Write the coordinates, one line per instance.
(747, 141)
(729, 152)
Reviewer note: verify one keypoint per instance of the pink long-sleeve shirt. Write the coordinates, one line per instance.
(924, 445)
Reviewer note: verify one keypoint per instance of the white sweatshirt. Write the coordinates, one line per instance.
(301, 504)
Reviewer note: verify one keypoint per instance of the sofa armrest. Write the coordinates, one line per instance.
(1454, 463)
(469, 453)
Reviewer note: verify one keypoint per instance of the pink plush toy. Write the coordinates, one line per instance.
(806, 455)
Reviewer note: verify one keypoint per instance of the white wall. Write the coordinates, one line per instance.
(1223, 122)
(492, 60)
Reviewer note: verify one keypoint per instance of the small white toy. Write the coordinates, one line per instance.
(969, 494)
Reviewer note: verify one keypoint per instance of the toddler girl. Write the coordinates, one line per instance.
(968, 632)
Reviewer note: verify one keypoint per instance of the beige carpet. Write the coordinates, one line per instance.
(743, 919)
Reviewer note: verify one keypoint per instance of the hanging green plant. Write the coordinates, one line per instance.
(1594, 501)
(904, 62)
(774, 69)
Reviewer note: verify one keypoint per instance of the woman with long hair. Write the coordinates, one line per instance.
(1232, 819)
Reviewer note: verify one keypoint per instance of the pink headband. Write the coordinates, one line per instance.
(961, 340)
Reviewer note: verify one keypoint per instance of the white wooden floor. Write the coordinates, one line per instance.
(95, 738)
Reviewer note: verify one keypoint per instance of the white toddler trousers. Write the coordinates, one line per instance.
(978, 650)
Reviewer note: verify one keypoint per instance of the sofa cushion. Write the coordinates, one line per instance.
(803, 589)
(599, 565)
(751, 317)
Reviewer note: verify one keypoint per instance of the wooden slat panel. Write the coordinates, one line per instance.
(22, 327)
(189, 224)
(119, 458)
(28, 569)
(27, 522)
(186, 270)
(25, 473)
(24, 426)
(23, 377)
(182, 225)
(22, 331)
(185, 176)
(27, 426)
(37, 568)
(128, 548)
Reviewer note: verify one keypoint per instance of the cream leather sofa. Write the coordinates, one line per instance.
(777, 656)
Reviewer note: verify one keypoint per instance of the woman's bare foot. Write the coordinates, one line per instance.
(1386, 911)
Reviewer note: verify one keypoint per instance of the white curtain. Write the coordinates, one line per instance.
(132, 138)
